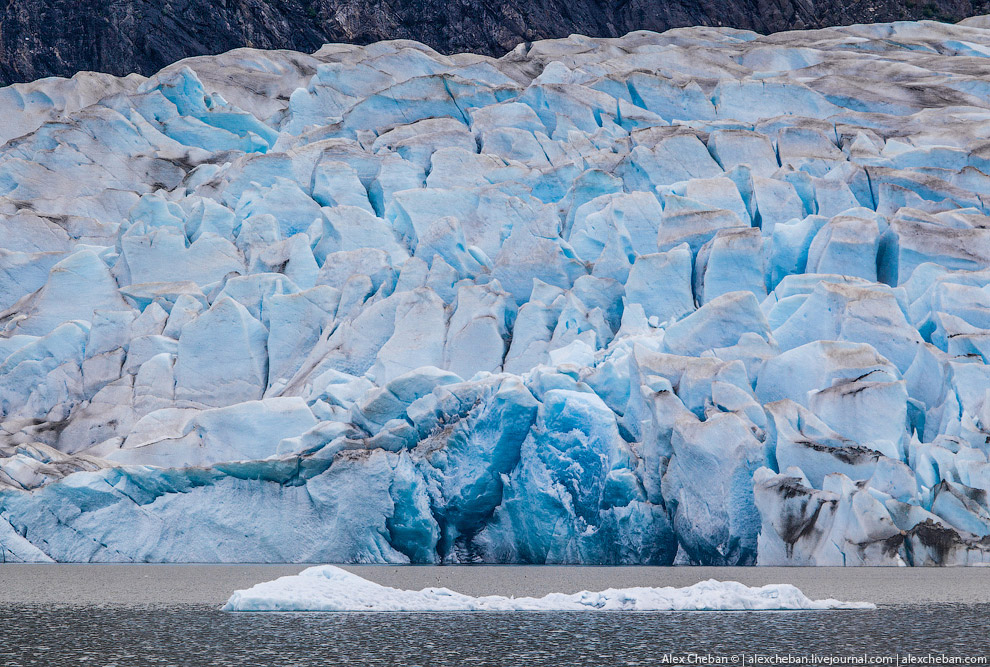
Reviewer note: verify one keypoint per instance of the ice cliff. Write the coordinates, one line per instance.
(696, 297)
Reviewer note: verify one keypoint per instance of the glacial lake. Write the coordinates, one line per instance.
(135, 615)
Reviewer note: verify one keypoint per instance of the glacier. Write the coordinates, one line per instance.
(329, 588)
(698, 297)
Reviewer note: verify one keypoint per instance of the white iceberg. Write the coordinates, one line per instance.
(329, 588)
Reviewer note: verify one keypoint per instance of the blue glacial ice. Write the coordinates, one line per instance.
(698, 297)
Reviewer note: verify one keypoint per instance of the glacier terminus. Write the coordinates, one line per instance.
(698, 297)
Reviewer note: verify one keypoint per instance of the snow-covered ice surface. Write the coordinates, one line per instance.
(699, 297)
(329, 588)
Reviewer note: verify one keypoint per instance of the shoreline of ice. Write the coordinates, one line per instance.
(329, 588)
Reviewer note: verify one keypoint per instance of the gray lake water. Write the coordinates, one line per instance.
(131, 615)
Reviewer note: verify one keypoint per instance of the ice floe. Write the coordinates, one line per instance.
(329, 588)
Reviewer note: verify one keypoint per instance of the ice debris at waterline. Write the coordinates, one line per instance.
(329, 588)
(699, 297)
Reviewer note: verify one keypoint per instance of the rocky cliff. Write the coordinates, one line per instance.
(41, 38)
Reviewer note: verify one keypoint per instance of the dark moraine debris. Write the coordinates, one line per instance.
(850, 454)
(931, 543)
(799, 521)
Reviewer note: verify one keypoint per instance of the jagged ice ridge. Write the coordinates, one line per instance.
(700, 297)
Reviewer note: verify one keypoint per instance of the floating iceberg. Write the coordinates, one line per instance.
(702, 297)
(329, 588)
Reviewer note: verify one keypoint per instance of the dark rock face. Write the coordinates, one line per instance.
(60, 37)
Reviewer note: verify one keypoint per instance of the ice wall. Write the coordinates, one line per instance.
(699, 297)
